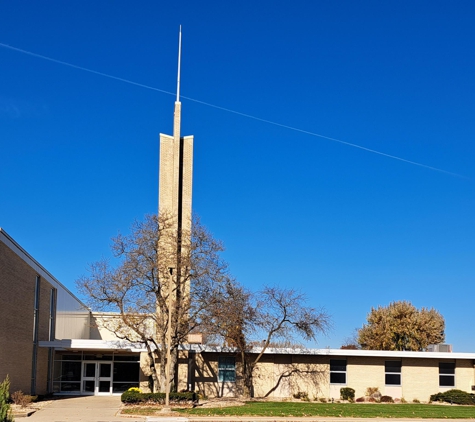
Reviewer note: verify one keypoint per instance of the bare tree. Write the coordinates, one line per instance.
(137, 288)
(401, 326)
(273, 313)
(351, 342)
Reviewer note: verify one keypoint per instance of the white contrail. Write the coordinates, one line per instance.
(394, 157)
(40, 56)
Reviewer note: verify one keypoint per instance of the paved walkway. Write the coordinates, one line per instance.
(106, 409)
(82, 409)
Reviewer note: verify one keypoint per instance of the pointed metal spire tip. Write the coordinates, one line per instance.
(179, 64)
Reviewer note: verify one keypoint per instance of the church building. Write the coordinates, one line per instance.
(50, 342)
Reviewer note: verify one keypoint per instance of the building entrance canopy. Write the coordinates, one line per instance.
(82, 344)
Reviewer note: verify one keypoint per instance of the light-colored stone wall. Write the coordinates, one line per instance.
(169, 174)
(281, 384)
(420, 378)
(144, 372)
(464, 375)
(182, 371)
(282, 376)
(206, 377)
(110, 326)
(166, 172)
(187, 182)
(363, 373)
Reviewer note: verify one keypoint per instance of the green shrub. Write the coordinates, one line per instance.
(416, 401)
(347, 393)
(454, 396)
(386, 399)
(133, 397)
(5, 412)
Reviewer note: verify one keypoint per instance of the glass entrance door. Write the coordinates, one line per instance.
(97, 378)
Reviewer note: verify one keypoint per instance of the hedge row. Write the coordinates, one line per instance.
(455, 397)
(132, 397)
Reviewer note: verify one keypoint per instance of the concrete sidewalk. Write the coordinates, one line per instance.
(82, 409)
(106, 409)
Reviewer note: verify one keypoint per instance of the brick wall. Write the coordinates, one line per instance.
(17, 297)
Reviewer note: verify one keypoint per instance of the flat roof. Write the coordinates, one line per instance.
(343, 352)
(84, 344)
(80, 344)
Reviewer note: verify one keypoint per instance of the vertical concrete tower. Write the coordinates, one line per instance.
(174, 202)
(176, 168)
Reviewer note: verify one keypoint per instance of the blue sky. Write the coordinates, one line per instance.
(350, 228)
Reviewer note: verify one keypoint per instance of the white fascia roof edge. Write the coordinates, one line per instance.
(78, 344)
(82, 344)
(337, 352)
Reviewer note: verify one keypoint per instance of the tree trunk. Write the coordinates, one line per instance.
(163, 370)
(247, 371)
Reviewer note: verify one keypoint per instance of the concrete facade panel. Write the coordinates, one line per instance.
(464, 375)
(420, 378)
(365, 372)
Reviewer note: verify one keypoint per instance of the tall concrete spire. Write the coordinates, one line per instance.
(176, 167)
(174, 202)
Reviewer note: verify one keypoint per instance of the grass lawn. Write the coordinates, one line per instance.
(356, 410)
(141, 410)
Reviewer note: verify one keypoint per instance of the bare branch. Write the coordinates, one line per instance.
(136, 288)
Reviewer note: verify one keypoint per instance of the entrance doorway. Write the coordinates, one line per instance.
(97, 378)
(95, 373)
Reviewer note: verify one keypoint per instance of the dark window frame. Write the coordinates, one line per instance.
(338, 369)
(446, 374)
(393, 373)
(226, 369)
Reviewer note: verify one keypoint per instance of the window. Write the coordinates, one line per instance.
(52, 315)
(337, 371)
(68, 377)
(227, 369)
(126, 375)
(392, 369)
(447, 374)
